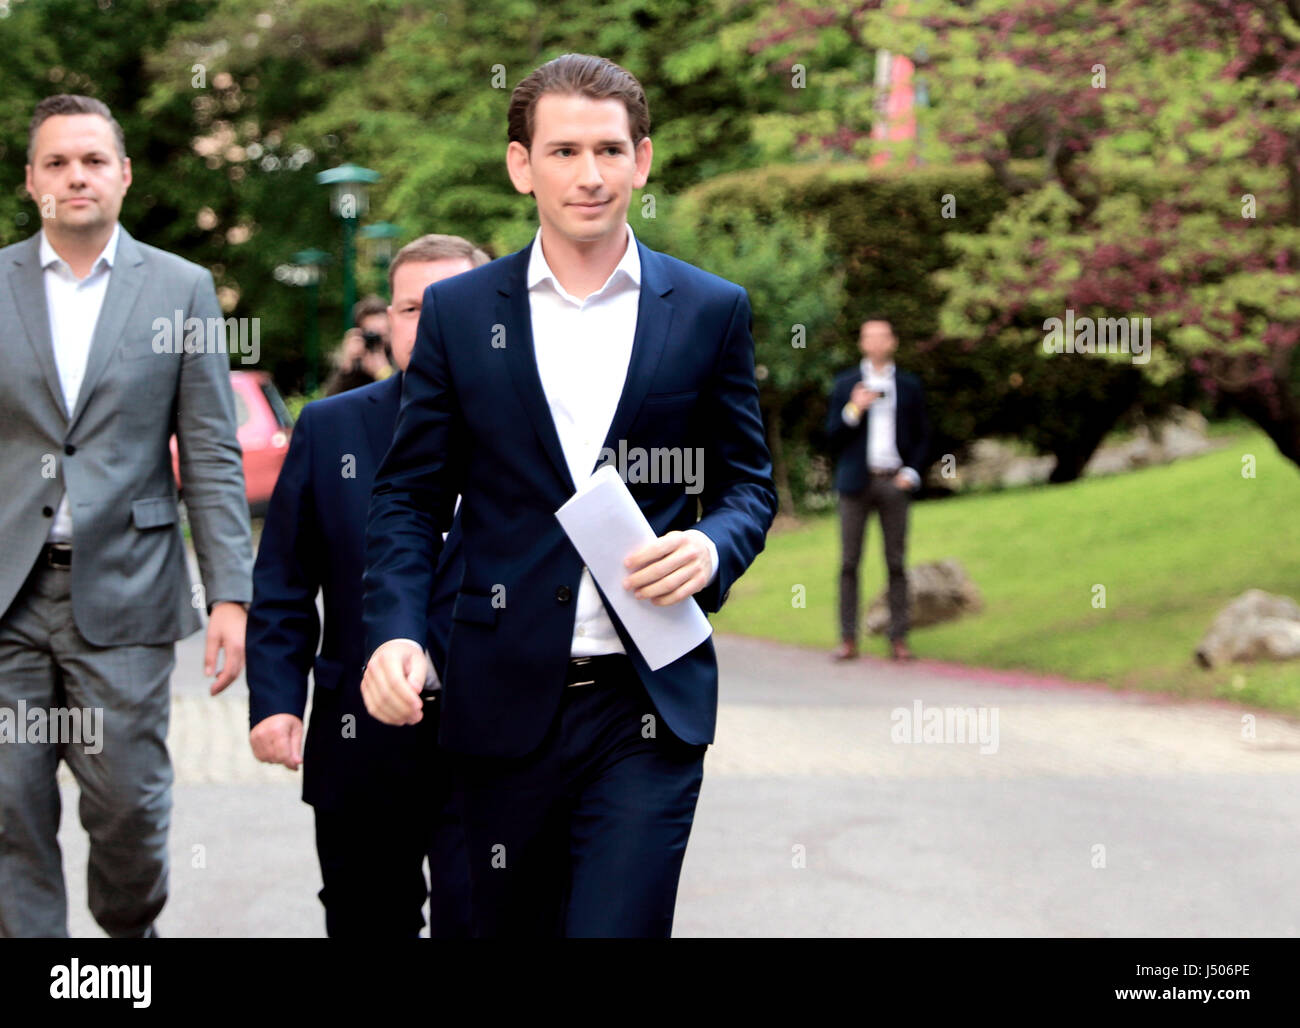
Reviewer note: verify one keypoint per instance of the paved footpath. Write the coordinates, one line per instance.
(1096, 814)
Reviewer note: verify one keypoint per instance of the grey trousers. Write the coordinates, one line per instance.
(105, 712)
(892, 504)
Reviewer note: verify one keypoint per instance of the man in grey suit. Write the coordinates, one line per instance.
(94, 589)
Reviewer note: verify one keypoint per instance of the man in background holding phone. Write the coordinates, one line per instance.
(879, 436)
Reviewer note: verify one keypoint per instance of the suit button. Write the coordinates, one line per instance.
(562, 594)
(48, 511)
(69, 449)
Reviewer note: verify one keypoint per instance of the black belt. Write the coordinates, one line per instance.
(594, 670)
(884, 474)
(57, 555)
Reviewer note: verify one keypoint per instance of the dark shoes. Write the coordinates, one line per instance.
(845, 651)
(898, 650)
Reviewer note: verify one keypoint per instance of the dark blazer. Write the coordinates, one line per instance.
(314, 539)
(849, 445)
(475, 422)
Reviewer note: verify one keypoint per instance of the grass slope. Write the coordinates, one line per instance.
(1171, 545)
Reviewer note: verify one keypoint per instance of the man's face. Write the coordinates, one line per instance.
(582, 167)
(877, 341)
(409, 282)
(76, 175)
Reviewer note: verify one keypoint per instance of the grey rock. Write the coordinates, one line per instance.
(1255, 626)
(996, 463)
(938, 591)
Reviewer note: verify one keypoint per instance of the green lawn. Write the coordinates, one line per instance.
(1170, 544)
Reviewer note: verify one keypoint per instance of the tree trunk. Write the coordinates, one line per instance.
(1073, 457)
(1280, 420)
(1073, 454)
(780, 471)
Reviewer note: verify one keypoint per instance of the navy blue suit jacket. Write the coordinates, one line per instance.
(474, 421)
(849, 444)
(314, 540)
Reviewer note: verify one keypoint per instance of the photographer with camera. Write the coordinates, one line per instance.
(365, 355)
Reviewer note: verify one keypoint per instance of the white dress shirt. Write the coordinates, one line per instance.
(583, 348)
(882, 424)
(73, 305)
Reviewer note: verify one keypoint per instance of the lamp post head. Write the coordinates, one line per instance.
(350, 196)
(381, 234)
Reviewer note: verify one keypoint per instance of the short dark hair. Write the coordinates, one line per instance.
(366, 307)
(596, 78)
(69, 103)
(435, 247)
(875, 317)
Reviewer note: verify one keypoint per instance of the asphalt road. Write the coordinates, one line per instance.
(1092, 813)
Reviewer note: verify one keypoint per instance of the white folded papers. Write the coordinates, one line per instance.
(605, 526)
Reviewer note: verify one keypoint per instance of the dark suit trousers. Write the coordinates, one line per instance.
(892, 504)
(585, 836)
(372, 863)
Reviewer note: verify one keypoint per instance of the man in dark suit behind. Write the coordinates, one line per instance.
(381, 794)
(879, 436)
(580, 765)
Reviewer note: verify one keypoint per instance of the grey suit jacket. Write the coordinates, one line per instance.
(130, 584)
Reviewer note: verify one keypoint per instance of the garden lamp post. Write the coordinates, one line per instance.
(349, 200)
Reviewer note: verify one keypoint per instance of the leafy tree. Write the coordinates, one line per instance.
(1199, 98)
(789, 268)
(420, 95)
(68, 46)
(233, 97)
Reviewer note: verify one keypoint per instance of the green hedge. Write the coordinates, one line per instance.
(879, 235)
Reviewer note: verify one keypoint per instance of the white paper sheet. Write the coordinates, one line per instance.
(605, 525)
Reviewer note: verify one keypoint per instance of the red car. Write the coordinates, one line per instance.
(264, 430)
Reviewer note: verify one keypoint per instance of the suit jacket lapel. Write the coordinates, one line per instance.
(381, 415)
(27, 281)
(513, 311)
(654, 315)
(124, 283)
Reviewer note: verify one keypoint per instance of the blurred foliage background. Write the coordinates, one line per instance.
(1114, 158)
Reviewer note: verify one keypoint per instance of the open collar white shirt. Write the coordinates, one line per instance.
(73, 307)
(882, 431)
(583, 348)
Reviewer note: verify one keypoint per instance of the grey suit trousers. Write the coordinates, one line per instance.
(47, 672)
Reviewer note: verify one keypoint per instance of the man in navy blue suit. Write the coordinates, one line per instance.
(880, 437)
(580, 767)
(381, 795)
